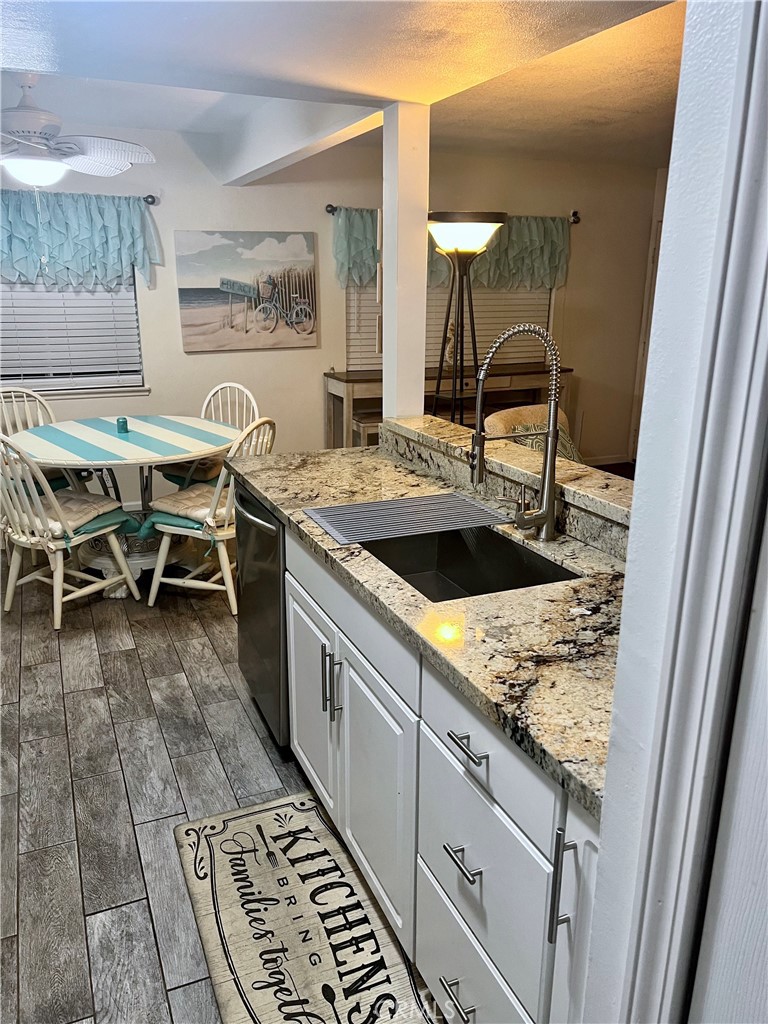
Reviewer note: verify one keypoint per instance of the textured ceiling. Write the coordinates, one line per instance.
(609, 97)
(588, 79)
(339, 50)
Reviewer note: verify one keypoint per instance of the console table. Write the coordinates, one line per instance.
(348, 392)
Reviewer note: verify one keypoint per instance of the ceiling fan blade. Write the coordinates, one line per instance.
(89, 165)
(106, 151)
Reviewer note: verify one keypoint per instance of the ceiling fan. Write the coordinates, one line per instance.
(34, 153)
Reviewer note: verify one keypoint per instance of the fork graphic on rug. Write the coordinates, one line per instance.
(271, 857)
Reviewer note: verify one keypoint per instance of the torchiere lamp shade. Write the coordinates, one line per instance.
(463, 231)
(460, 236)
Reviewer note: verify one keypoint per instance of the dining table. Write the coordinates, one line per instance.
(144, 442)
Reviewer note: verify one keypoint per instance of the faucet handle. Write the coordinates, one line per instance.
(525, 518)
(523, 499)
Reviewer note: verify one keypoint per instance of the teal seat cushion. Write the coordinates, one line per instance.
(117, 517)
(166, 519)
(56, 483)
(180, 481)
(131, 526)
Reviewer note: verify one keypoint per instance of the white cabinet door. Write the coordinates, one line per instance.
(311, 646)
(576, 900)
(377, 787)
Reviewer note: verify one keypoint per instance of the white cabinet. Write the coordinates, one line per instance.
(357, 740)
(377, 786)
(488, 804)
(385, 744)
(460, 975)
(576, 901)
(503, 896)
(311, 643)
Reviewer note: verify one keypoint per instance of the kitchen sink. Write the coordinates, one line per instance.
(465, 563)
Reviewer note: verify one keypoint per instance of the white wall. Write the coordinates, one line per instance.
(598, 312)
(597, 315)
(288, 384)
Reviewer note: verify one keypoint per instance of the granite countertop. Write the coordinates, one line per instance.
(589, 488)
(538, 662)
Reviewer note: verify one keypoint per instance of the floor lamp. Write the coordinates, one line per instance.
(460, 237)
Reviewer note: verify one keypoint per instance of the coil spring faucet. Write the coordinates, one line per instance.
(543, 517)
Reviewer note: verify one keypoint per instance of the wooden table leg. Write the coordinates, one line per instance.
(349, 401)
(328, 415)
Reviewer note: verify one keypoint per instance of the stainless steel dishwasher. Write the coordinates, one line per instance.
(261, 635)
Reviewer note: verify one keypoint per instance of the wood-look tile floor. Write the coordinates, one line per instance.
(127, 722)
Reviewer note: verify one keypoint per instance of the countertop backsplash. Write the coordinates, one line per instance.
(593, 506)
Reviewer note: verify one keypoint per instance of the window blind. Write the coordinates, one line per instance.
(494, 311)
(69, 340)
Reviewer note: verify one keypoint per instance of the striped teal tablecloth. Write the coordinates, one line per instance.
(150, 441)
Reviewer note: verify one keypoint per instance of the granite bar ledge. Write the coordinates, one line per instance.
(539, 663)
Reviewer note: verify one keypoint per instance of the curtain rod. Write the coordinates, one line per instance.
(573, 217)
(150, 200)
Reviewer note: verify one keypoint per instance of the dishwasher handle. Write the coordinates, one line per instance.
(258, 523)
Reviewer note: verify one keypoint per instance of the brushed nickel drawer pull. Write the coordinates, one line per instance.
(461, 740)
(555, 917)
(463, 1011)
(324, 675)
(453, 855)
(332, 666)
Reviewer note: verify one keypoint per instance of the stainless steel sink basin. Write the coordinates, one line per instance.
(465, 563)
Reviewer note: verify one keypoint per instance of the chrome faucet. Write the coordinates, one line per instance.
(543, 517)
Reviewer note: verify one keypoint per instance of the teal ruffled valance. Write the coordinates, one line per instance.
(526, 252)
(71, 239)
(354, 245)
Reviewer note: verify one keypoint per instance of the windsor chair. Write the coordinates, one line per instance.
(55, 524)
(227, 403)
(208, 517)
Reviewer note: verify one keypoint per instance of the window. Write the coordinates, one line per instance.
(69, 340)
(494, 309)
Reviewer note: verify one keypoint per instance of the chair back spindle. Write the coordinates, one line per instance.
(27, 498)
(257, 439)
(21, 409)
(230, 403)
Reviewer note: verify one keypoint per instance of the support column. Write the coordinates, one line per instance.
(404, 248)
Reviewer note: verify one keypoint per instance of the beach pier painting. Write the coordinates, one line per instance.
(246, 290)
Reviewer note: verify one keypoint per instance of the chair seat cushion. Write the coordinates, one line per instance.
(79, 507)
(166, 519)
(180, 481)
(117, 517)
(204, 469)
(194, 503)
(506, 420)
(566, 449)
(56, 479)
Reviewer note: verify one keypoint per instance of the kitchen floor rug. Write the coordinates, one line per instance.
(290, 930)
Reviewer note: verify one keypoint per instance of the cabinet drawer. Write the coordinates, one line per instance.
(446, 949)
(497, 383)
(387, 652)
(506, 906)
(532, 800)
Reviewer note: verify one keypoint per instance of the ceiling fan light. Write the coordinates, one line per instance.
(467, 232)
(38, 171)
